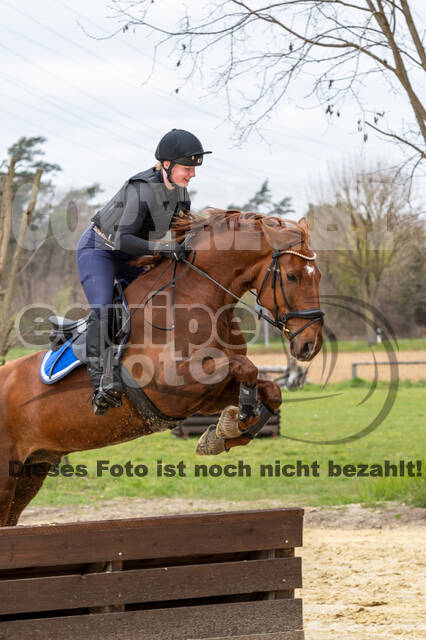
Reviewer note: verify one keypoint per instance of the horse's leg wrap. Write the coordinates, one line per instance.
(264, 414)
(210, 444)
(248, 402)
(227, 425)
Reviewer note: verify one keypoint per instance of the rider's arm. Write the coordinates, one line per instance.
(134, 215)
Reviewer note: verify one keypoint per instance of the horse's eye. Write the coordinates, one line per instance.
(291, 277)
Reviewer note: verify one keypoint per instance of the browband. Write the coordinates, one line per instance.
(300, 255)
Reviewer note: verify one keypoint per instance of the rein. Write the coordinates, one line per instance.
(312, 315)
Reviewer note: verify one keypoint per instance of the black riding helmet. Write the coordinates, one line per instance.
(180, 147)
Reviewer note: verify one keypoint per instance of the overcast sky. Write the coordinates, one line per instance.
(102, 123)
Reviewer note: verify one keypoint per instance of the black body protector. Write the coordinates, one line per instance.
(152, 215)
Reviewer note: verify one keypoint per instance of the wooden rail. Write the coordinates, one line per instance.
(218, 576)
(374, 364)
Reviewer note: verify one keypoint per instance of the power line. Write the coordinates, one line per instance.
(213, 160)
(243, 170)
(138, 145)
(79, 122)
(91, 53)
(191, 104)
(144, 55)
(56, 135)
(14, 116)
(67, 82)
(43, 110)
(182, 99)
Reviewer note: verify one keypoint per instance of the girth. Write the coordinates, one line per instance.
(155, 419)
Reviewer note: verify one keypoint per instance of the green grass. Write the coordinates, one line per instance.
(399, 437)
(348, 346)
(19, 352)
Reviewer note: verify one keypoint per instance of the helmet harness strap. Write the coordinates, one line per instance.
(169, 170)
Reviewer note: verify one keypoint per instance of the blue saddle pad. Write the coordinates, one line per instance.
(57, 364)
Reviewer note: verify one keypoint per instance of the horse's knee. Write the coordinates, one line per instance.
(270, 393)
(243, 370)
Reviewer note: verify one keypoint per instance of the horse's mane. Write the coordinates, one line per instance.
(280, 233)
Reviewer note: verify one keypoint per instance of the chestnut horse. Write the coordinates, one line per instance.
(196, 366)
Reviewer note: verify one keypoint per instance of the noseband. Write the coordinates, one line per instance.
(312, 315)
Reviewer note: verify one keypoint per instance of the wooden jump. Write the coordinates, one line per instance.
(214, 575)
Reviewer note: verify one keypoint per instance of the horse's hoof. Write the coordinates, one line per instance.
(227, 425)
(210, 444)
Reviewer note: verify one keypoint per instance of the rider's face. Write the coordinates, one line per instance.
(181, 175)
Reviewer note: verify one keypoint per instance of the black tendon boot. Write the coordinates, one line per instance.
(106, 390)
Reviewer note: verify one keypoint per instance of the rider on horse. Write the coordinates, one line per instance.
(129, 225)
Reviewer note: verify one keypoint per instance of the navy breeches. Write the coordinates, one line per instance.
(97, 268)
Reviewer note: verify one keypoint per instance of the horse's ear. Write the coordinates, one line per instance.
(304, 224)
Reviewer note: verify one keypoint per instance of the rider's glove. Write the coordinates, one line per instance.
(172, 250)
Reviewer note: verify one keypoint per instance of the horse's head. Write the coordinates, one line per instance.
(287, 282)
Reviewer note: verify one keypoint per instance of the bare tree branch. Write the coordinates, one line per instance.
(414, 33)
(395, 136)
(337, 44)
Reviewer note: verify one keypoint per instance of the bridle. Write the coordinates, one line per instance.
(312, 315)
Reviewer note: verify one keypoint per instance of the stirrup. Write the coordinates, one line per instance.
(105, 399)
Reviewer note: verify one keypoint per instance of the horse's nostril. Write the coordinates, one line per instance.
(307, 349)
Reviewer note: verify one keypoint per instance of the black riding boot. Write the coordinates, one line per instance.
(105, 381)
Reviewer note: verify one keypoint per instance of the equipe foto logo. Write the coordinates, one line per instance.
(33, 330)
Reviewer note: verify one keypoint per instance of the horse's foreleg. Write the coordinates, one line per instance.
(253, 393)
(247, 391)
(28, 485)
(230, 427)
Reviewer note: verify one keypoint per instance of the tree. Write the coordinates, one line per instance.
(8, 276)
(261, 202)
(49, 274)
(369, 236)
(20, 187)
(28, 155)
(340, 47)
